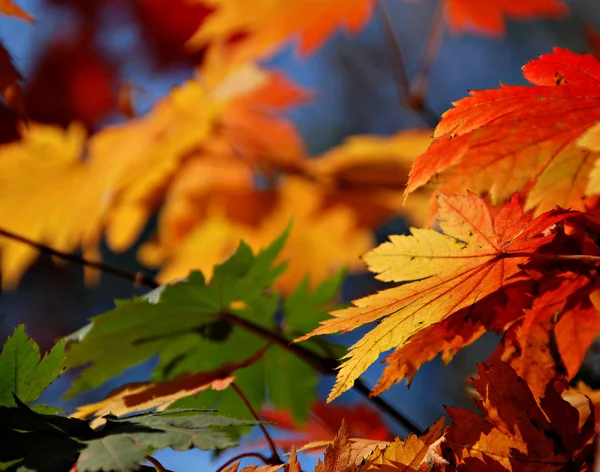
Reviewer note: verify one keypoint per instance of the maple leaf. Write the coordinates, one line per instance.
(39, 176)
(8, 7)
(366, 174)
(297, 201)
(479, 252)
(136, 397)
(554, 334)
(337, 454)
(405, 455)
(516, 432)
(223, 115)
(23, 373)
(168, 315)
(287, 382)
(124, 443)
(361, 422)
(267, 24)
(489, 17)
(504, 140)
(121, 444)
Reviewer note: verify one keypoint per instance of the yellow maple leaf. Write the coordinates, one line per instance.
(39, 175)
(217, 234)
(449, 271)
(267, 24)
(227, 108)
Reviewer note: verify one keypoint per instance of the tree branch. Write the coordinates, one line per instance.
(137, 278)
(322, 365)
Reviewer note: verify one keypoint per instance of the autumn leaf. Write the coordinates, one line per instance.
(539, 138)
(268, 24)
(367, 173)
(361, 422)
(489, 17)
(516, 431)
(38, 177)
(405, 455)
(137, 397)
(298, 202)
(479, 252)
(204, 124)
(8, 7)
(553, 335)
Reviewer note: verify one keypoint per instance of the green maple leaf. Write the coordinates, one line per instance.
(22, 370)
(48, 443)
(126, 442)
(147, 326)
(279, 377)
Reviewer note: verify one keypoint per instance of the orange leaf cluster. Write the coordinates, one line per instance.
(518, 431)
(463, 281)
(542, 138)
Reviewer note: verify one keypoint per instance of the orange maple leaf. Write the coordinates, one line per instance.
(503, 140)
(407, 455)
(480, 252)
(8, 7)
(517, 432)
(553, 335)
(323, 423)
(267, 24)
(488, 16)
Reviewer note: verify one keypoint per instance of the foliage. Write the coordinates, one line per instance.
(252, 238)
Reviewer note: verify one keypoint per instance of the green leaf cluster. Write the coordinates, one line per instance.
(188, 326)
(49, 443)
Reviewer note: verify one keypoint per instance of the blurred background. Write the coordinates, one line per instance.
(85, 60)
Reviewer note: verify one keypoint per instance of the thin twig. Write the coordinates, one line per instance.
(420, 82)
(157, 465)
(274, 459)
(404, 87)
(137, 278)
(322, 365)
(241, 456)
(396, 57)
(384, 406)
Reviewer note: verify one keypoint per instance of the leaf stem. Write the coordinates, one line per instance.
(157, 465)
(552, 257)
(325, 366)
(274, 459)
(241, 456)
